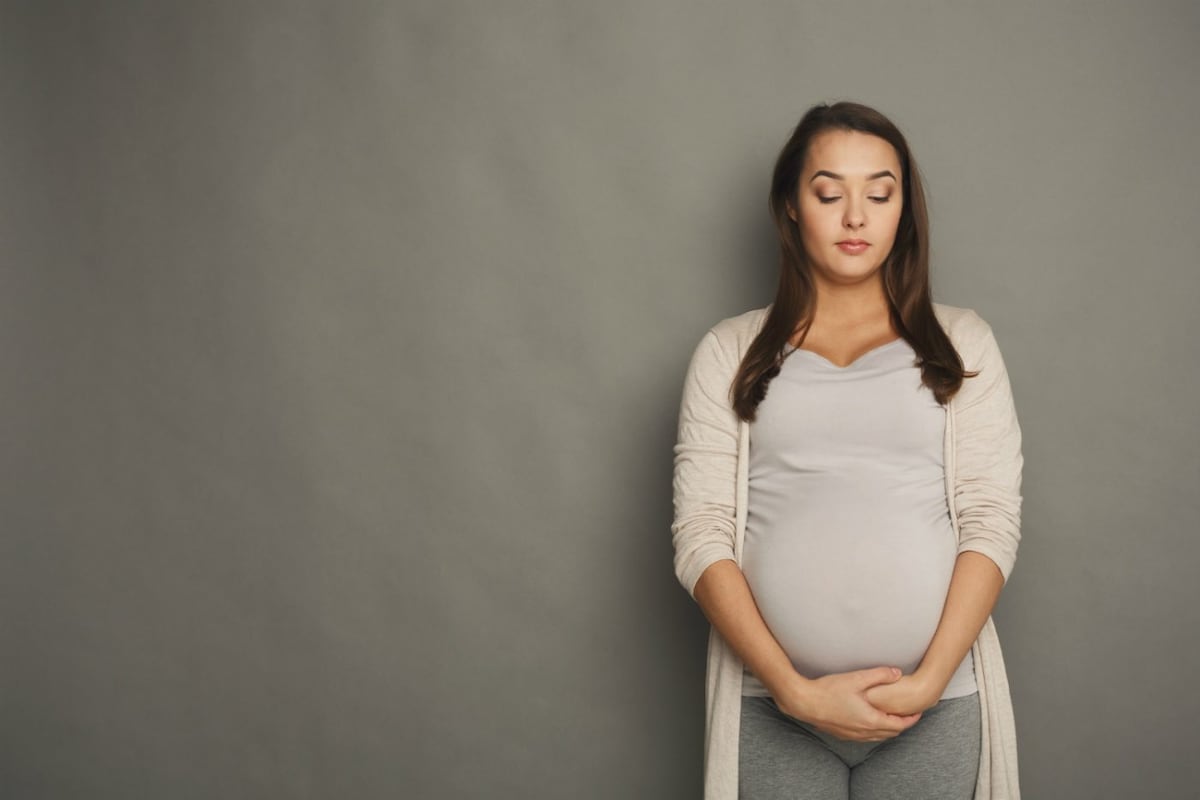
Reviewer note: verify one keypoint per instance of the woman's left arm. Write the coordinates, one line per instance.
(974, 589)
(987, 462)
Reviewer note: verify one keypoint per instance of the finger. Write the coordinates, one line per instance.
(881, 726)
(878, 718)
(889, 723)
(900, 722)
(881, 734)
(871, 736)
(877, 675)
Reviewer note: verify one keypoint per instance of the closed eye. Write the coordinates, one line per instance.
(828, 200)
(879, 199)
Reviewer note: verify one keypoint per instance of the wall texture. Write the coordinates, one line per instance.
(343, 345)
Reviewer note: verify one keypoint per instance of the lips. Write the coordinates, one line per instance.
(853, 246)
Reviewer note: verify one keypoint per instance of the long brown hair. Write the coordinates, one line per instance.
(905, 271)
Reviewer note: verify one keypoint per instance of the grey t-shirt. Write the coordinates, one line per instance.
(849, 545)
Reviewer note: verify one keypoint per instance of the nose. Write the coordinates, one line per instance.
(855, 216)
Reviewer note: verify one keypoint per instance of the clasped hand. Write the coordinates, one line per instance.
(868, 705)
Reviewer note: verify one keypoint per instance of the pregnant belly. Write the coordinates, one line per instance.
(869, 595)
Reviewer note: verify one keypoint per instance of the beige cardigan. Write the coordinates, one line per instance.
(983, 479)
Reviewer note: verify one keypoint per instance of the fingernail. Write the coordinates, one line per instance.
(895, 672)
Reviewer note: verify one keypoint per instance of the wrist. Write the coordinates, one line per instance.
(792, 693)
(930, 684)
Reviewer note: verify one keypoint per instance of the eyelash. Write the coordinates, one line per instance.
(828, 200)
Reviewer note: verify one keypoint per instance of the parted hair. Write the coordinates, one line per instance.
(905, 270)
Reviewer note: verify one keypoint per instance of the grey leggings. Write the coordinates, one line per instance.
(782, 757)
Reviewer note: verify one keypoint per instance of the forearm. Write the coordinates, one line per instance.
(974, 588)
(834, 703)
(725, 597)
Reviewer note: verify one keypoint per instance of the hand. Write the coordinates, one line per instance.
(838, 705)
(912, 694)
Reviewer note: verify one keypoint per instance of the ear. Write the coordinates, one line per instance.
(791, 211)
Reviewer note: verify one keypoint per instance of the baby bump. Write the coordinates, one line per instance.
(841, 597)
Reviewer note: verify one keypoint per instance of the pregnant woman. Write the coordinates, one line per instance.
(847, 500)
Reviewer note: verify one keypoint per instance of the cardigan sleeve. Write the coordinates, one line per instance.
(706, 452)
(987, 457)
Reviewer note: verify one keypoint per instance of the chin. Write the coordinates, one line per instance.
(852, 278)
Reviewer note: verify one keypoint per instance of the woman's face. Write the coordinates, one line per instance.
(848, 204)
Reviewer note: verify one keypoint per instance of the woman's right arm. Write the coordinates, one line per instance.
(836, 703)
(705, 486)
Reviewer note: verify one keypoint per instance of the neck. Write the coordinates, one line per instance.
(851, 304)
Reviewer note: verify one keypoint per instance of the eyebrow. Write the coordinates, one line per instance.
(887, 173)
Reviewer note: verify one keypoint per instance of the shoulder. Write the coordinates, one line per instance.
(961, 323)
(969, 333)
(719, 353)
(735, 334)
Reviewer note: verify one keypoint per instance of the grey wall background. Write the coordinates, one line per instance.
(342, 345)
